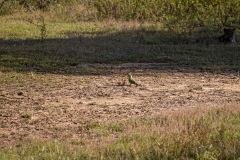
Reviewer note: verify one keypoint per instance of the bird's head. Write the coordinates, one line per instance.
(129, 75)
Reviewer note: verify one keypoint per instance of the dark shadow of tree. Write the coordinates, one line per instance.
(102, 52)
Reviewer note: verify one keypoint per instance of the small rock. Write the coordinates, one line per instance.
(20, 93)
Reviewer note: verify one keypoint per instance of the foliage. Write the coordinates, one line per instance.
(43, 4)
(178, 15)
(10, 6)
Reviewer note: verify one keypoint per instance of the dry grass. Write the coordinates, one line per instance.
(200, 133)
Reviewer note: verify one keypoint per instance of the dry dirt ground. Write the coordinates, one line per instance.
(53, 106)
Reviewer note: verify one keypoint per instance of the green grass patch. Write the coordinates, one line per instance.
(68, 45)
(26, 115)
(43, 150)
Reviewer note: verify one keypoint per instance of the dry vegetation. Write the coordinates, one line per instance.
(64, 92)
(173, 114)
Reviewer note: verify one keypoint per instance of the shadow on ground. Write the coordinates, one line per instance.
(100, 53)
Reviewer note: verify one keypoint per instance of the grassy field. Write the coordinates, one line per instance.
(65, 97)
(202, 133)
(111, 42)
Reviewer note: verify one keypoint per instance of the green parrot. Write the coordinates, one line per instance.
(131, 80)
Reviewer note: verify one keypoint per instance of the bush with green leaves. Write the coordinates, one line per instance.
(10, 6)
(177, 15)
(43, 4)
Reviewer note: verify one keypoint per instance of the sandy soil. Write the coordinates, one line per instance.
(59, 104)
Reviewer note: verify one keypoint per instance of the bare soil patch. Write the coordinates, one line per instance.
(59, 104)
